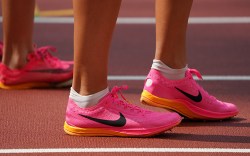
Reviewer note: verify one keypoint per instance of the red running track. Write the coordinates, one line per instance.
(34, 118)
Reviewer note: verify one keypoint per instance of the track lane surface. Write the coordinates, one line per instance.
(213, 49)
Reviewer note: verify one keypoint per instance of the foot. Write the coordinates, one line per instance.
(42, 70)
(113, 116)
(185, 96)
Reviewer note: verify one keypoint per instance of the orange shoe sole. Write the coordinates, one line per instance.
(183, 107)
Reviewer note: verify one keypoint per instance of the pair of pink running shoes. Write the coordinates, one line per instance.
(114, 115)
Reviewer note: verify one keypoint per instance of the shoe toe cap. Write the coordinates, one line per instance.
(170, 118)
(231, 107)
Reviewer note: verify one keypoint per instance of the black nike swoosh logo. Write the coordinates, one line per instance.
(197, 98)
(115, 123)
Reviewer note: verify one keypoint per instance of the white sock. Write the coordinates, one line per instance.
(170, 73)
(89, 100)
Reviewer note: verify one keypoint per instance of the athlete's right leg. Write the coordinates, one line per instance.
(93, 110)
(94, 24)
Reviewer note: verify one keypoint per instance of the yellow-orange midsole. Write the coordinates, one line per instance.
(71, 130)
(24, 85)
(175, 105)
(90, 131)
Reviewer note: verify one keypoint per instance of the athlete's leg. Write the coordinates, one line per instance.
(17, 31)
(171, 24)
(111, 116)
(169, 83)
(94, 24)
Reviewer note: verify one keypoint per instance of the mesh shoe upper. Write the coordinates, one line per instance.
(186, 90)
(112, 108)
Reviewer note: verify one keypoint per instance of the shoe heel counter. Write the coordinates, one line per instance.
(72, 116)
(152, 83)
(70, 113)
(156, 84)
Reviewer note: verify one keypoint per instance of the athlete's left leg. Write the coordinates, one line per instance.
(92, 110)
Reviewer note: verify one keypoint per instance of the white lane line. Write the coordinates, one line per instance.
(128, 150)
(219, 20)
(149, 20)
(192, 20)
(142, 78)
(205, 77)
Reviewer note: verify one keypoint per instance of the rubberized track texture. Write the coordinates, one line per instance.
(32, 120)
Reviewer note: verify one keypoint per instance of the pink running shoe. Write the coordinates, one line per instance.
(113, 116)
(185, 96)
(42, 70)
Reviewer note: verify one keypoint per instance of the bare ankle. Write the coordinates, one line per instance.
(15, 62)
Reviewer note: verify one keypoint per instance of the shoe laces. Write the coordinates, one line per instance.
(44, 53)
(116, 91)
